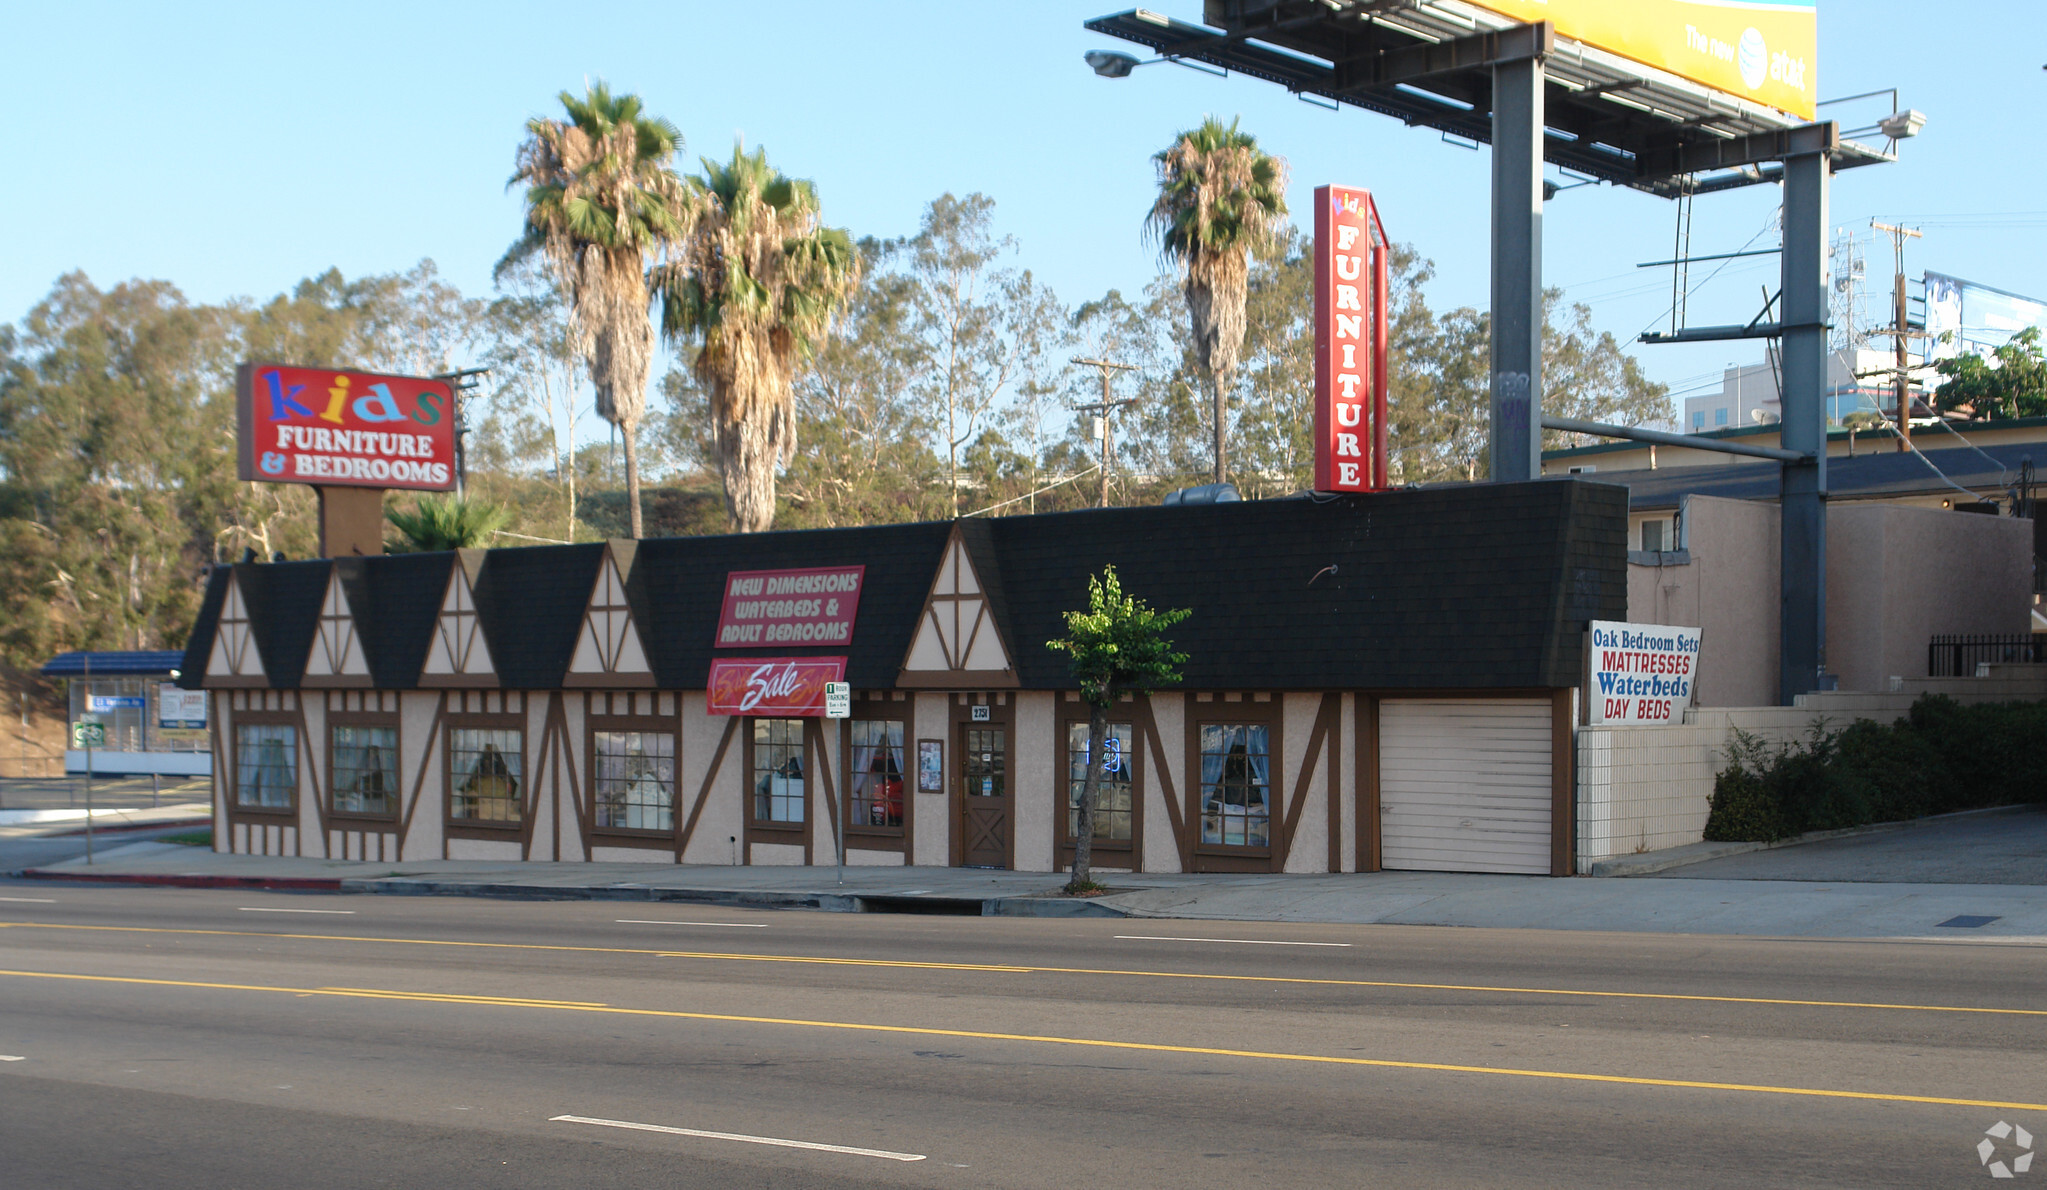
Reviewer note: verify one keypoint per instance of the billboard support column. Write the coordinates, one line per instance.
(1802, 614)
(1517, 270)
(351, 521)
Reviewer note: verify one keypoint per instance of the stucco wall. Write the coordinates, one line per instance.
(1896, 576)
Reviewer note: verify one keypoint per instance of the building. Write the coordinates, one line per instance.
(1375, 681)
(1857, 382)
(151, 726)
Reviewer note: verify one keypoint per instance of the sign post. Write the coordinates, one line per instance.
(838, 704)
(88, 734)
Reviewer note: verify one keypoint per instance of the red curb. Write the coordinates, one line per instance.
(274, 883)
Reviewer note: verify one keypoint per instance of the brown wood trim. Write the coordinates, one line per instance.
(1311, 754)
(1563, 813)
(957, 679)
(473, 828)
(1211, 857)
(1148, 723)
(959, 715)
(1368, 783)
(863, 836)
(223, 719)
(356, 820)
(814, 745)
(1335, 780)
(1062, 720)
(298, 837)
(272, 815)
(433, 740)
(596, 719)
(689, 829)
(753, 830)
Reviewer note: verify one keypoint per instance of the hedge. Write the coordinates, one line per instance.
(1942, 757)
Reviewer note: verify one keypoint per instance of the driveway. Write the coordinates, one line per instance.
(2007, 846)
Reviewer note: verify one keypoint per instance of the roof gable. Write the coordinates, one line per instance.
(959, 635)
(609, 651)
(337, 657)
(235, 659)
(458, 654)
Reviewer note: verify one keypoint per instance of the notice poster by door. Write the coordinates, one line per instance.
(930, 766)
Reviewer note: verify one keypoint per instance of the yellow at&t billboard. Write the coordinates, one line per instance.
(1763, 50)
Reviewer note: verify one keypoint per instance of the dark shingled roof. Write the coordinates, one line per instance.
(1483, 586)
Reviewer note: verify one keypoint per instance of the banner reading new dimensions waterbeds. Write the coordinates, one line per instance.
(1764, 50)
(1641, 673)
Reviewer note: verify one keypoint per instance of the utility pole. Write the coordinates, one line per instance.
(1102, 411)
(1899, 331)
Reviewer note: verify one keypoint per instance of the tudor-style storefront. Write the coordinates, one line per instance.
(1383, 681)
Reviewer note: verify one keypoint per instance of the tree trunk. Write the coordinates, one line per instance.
(631, 434)
(747, 453)
(1222, 471)
(1090, 793)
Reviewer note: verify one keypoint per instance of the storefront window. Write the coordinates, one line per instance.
(877, 772)
(1236, 799)
(266, 765)
(778, 770)
(365, 769)
(635, 780)
(1112, 802)
(485, 764)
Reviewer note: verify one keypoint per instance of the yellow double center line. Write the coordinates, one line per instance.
(1035, 1038)
(1014, 969)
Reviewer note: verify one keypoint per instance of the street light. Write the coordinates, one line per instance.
(1111, 64)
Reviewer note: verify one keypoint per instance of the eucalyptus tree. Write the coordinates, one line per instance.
(1219, 196)
(755, 286)
(604, 205)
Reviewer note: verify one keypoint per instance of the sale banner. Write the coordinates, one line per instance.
(787, 687)
(1350, 341)
(779, 608)
(341, 428)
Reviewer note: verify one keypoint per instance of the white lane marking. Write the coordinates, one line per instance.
(32, 900)
(12, 1058)
(249, 909)
(1240, 941)
(777, 1141)
(729, 925)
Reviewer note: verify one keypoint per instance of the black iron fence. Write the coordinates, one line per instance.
(1958, 656)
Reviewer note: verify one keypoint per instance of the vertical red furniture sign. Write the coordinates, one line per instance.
(1350, 341)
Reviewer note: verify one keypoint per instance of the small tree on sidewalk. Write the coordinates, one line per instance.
(1117, 646)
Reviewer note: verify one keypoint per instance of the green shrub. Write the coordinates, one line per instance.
(1941, 758)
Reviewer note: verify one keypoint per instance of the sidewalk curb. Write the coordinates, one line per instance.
(829, 902)
(261, 883)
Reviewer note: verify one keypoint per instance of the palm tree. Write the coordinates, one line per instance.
(602, 203)
(1218, 196)
(448, 522)
(756, 286)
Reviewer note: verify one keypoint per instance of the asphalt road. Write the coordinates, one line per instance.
(222, 1039)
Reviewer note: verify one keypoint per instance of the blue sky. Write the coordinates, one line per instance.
(234, 149)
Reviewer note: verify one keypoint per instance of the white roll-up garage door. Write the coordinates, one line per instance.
(1464, 785)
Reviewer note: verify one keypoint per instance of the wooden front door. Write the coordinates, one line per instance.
(984, 795)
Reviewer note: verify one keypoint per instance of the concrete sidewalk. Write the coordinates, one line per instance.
(1774, 908)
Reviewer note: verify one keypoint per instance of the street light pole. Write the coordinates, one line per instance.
(1104, 409)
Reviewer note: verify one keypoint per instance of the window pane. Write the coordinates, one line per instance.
(778, 770)
(365, 770)
(1235, 785)
(487, 764)
(877, 766)
(635, 783)
(1113, 818)
(266, 764)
